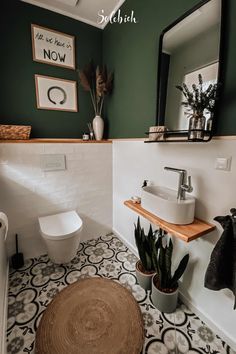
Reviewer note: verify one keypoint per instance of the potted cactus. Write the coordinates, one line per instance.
(147, 246)
(165, 286)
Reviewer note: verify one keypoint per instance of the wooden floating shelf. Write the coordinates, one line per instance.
(186, 233)
(59, 141)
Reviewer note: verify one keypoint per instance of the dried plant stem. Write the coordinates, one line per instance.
(101, 105)
(93, 101)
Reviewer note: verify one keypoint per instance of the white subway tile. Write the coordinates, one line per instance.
(27, 192)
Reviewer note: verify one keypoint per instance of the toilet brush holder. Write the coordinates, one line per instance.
(17, 259)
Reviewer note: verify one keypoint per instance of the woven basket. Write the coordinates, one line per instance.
(15, 132)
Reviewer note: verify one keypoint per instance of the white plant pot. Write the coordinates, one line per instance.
(164, 302)
(98, 127)
(144, 280)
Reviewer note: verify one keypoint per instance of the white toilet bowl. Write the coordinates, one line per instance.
(61, 234)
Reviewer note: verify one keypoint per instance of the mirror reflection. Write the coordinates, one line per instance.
(189, 48)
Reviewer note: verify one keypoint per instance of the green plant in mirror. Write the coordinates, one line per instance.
(167, 282)
(198, 99)
(147, 246)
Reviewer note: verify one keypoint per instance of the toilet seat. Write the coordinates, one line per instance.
(60, 226)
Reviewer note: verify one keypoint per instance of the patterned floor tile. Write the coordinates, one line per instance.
(32, 288)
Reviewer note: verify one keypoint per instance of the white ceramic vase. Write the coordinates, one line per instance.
(98, 127)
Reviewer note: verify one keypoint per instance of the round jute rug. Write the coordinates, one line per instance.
(91, 316)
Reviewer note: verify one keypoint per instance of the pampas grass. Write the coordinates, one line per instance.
(98, 82)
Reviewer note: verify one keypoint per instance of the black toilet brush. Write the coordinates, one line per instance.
(17, 259)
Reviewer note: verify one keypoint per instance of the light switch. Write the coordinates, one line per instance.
(53, 162)
(223, 163)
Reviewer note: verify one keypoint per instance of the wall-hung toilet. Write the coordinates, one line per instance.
(61, 234)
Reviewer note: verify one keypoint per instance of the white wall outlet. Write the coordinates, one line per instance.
(223, 163)
(53, 162)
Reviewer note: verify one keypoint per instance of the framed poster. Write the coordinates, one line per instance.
(56, 94)
(52, 47)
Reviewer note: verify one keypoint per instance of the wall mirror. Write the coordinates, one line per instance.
(188, 47)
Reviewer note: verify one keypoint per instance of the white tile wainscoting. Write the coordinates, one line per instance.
(28, 192)
(95, 173)
(134, 161)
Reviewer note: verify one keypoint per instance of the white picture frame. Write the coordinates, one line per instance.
(53, 47)
(56, 94)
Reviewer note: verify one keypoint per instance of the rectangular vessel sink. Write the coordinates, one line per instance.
(163, 203)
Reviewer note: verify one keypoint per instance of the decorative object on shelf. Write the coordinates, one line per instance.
(197, 101)
(98, 127)
(209, 122)
(85, 137)
(165, 286)
(15, 132)
(56, 94)
(99, 84)
(53, 47)
(221, 270)
(196, 127)
(91, 132)
(136, 200)
(147, 246)
(157, 133)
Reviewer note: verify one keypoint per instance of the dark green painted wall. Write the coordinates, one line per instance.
(132, 50)
(17, 99)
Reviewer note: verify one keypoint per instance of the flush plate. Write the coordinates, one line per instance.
(53, 162)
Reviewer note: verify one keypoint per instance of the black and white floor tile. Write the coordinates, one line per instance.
(32, 288)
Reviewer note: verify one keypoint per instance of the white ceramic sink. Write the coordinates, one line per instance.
(162, 202)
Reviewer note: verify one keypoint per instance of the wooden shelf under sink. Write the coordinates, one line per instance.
(186, 233)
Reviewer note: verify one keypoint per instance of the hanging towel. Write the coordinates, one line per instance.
(3, 224)
(221, 271)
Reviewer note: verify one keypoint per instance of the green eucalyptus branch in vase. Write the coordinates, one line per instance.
(98, 83)
(197, 101)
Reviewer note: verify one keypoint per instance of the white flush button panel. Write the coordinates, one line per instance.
(223, 163)
(53, 162)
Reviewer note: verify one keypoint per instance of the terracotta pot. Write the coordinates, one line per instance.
(164, 302)
(144, 279)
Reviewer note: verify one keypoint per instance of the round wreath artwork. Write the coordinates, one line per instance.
(56, 88)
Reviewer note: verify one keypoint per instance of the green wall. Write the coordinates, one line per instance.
(17, 100)
(132, 50)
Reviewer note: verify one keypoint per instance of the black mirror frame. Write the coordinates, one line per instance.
(161, 121)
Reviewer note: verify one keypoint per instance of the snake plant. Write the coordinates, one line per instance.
(167, 282)
(147, 246)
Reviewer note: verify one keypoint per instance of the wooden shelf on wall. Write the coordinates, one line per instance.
(60, 141)
(186, 233)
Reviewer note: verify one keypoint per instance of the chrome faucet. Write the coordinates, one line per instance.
(183, 187)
